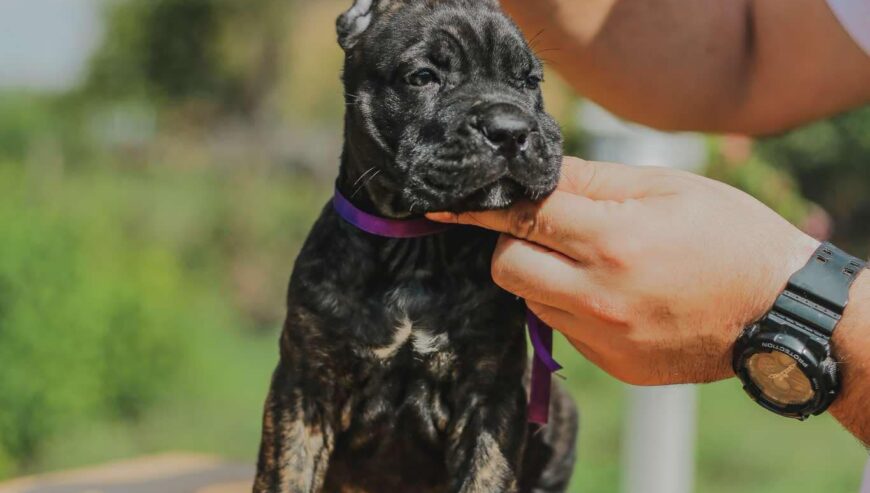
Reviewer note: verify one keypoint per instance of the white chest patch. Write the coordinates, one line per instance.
(400, 337)
(422, 341)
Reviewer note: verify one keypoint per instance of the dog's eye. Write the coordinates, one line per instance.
(533, 82)
(422, 77)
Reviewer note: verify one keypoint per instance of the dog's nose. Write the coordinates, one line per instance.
(506, 127)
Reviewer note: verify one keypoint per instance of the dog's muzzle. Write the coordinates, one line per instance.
(506, 128)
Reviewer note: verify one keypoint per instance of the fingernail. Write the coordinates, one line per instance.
(442, 217)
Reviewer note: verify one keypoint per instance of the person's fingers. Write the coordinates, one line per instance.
(609, 181)
(574, 212)
(536, 273)
(541, 275)
(596, 333)
(563, 222)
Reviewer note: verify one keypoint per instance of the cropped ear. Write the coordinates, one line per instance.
(354, 22)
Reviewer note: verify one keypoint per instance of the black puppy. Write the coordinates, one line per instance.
(402, 363)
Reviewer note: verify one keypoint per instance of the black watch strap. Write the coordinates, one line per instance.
(817, 295)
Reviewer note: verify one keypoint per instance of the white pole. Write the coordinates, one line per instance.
(660, 427)
(866, 485)
(659, 440)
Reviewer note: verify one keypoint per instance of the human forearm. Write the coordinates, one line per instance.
(746, 66)
(852, 344)
(670, 63)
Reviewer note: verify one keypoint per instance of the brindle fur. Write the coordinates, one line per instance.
(402, 364)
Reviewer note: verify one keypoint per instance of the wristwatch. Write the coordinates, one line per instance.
(785, 359)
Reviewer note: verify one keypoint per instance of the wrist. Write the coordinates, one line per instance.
(787, 255)
(788, 360)
(788, 260)
(851, 343)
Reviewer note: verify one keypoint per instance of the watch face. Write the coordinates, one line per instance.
(780, 378)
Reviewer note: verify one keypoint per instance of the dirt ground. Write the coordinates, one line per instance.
(168, 473)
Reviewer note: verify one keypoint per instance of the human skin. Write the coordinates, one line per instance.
(652, 273)
(754, 67)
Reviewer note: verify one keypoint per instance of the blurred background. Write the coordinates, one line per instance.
(161, 162)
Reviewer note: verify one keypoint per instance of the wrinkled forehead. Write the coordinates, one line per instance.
(447, 35)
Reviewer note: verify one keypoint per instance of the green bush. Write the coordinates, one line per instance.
(22, 123)
(118, 284)
(89, 320)
(767, 183)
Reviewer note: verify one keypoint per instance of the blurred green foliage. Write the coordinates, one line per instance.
(210, 52)
(165, 47)
(77, 336)
(31, 124)
(830, 161)
(822, 168)
(111, 277)
(764, 181)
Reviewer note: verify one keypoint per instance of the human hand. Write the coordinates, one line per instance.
(651, 273)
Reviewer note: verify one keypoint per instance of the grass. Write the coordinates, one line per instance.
(740, 448)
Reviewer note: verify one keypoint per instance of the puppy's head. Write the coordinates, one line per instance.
(444, 108)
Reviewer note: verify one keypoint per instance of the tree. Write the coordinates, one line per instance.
(224, 54)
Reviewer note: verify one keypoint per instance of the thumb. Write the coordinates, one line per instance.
(609, 181)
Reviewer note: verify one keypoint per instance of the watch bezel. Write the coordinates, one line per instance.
(800, 345)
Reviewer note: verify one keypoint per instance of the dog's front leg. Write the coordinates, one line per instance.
(486, 442)
(296, 443)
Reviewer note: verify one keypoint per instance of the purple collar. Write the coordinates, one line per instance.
(388, 228)
(541, 335)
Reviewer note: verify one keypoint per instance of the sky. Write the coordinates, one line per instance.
(45, 44)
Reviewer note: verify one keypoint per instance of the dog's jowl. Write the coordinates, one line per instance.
(402, 365)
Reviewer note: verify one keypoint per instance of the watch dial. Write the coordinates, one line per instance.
(780, 378)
